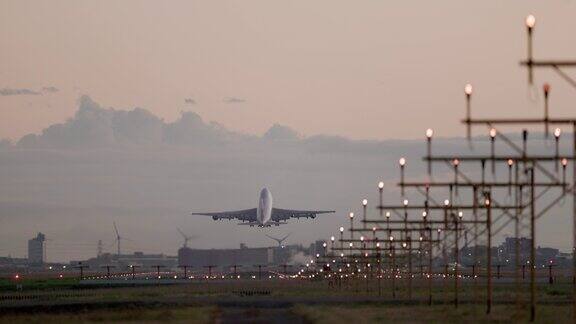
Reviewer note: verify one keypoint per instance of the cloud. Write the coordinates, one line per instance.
(190, 129)
(94, 126)
(50, 89)
(91, 126)
(232, 100)
(189, 101)
(280, 133)
(18, 92)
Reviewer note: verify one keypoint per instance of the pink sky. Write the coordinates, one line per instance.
(362, 69)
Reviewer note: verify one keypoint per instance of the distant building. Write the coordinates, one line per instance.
(148, 260)
(508, 247)
(317, 248)
(547, 254)
(505, 253)
(12, 263)
(140, 259)
(245, 256)
(36, 250)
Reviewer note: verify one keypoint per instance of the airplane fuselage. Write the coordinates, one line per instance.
(264, 215)
(264, 210)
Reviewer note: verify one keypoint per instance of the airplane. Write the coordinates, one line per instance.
(264, 215)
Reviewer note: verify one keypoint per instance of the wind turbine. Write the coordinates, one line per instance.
(187, 238)
(118, 238)
(279, 240)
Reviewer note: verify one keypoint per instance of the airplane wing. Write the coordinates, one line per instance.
(246, 215)
(283, 214)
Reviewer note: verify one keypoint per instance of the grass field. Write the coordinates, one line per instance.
(9, 284)
(127, 314)
(284, 301)
(425, 314)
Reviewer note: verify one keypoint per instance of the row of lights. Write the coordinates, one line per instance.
(492, 132)
(468, 90)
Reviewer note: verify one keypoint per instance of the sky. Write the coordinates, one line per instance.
(365, 69)
(141, 112)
